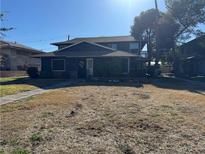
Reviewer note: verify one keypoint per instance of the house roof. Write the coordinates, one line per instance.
(98, 40)
(87, 49)
(195, 47)
(8, 44)
(196, 40)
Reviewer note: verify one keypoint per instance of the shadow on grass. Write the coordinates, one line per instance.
(166, 83)
(61, 83)
(39, 83)
(177, 84)
(104, 83)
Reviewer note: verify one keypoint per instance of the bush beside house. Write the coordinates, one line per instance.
(33, 72)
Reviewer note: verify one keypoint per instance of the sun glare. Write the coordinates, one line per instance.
(127, 3)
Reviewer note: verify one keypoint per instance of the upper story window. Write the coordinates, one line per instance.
(58, 64)
(133, 46)
(114, 46)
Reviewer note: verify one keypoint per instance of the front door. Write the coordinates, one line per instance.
(89, 67)
(81, 69)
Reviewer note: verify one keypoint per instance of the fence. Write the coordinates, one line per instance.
(12, 73)
(166, 68)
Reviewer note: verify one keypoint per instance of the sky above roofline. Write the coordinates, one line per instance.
(38, 23)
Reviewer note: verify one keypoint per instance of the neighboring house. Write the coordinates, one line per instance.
(94, 57)
(193, 57)
(15, 56)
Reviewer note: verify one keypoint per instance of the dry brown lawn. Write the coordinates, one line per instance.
(105, 119)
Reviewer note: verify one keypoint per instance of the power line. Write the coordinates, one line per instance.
(42, 40)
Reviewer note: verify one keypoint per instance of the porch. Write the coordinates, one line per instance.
(89, 67)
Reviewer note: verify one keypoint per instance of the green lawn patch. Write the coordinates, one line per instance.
(7, 79)
(12, 85)
(13, 89)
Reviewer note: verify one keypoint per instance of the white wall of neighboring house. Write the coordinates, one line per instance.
(144, 52)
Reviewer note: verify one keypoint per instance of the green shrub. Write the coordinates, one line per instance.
(35, 137)
(2, 152)
(154, 71)
(33, 72)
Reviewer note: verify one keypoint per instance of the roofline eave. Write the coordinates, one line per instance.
(56, 56)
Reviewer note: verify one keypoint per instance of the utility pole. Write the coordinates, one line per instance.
(157, 33)
(156, 5)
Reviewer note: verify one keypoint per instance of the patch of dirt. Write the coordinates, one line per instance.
(148, 126)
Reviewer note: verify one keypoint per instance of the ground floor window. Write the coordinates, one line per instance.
(58, 64)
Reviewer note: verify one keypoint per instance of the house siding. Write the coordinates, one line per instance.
(201, 67)
(71, 67)
(102, 67)
(123, 46)
(192, 61)
(110, 67)
(64, 46)
(46, 64)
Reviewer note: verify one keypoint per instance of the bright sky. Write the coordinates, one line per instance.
(40, 22)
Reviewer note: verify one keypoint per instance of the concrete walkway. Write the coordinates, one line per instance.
(23, 95)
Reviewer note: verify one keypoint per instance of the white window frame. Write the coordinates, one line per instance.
(128, 65)
(134, 46)
(58, 70)
(89, 70)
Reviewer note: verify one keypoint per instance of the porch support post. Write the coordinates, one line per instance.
(128, 65)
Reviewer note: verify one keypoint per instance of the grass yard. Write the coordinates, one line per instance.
(12, 85)
(121, 119)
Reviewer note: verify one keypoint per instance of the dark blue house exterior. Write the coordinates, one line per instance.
(192, 61)
(94, 57)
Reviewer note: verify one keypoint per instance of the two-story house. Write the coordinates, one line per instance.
(94, 57)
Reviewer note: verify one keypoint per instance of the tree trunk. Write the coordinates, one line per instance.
(149, 50)
(157, 59)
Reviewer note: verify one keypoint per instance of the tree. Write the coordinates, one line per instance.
(188, 14)
(4, 62)
(168, 29)
(3, 29)
(144, 29)
(152, 25)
